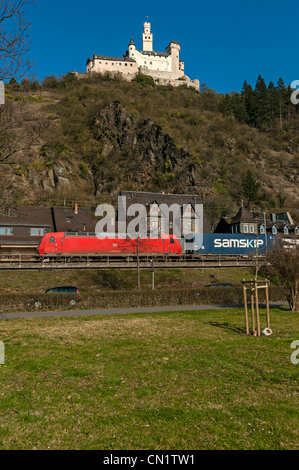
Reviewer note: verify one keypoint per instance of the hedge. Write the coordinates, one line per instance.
(10, 303)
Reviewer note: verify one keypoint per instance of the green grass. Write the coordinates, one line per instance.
(189, 380)
(113, 279)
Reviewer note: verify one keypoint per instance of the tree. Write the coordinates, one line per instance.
(14, 39)
(138, 243)
(249, 103)
(284, 262)
(262, 102)
(13, 142)
(16, 138)
(250, 188)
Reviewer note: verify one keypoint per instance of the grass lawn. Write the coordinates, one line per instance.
(190, 380)
(113, 279)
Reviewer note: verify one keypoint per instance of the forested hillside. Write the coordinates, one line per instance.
(86, 139)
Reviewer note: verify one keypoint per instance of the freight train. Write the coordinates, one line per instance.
(71, 246)
(226, 244)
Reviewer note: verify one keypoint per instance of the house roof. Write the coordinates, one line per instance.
(27, 215)
(66, 220)
(116, 59)
(174, 42)
(155, 53)
(242, 216)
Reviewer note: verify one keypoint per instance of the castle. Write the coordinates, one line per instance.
(165, 67)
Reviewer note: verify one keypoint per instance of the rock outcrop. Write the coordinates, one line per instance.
(136, 154)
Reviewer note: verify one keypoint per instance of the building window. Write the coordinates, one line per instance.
(297, 230)
(274, 229)
(5, 231)
(251, 228)
(37, 232)
(286, 230)
(262, 229)
(245, 228)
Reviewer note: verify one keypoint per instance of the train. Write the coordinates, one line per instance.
(226, 244)
(76, 245)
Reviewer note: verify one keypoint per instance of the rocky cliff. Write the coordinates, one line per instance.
(138, 155)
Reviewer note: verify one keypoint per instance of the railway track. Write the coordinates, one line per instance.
(24, 263)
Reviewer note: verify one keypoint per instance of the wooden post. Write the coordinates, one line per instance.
(245, 308)
(257, 309)
(252, 306)
(267, 303)
(153, 275)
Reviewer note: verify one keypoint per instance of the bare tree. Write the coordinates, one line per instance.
(284, 262)
(137, 244)
(16, 135)
(14, 39)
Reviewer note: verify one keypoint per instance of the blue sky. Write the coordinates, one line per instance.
(223, 42)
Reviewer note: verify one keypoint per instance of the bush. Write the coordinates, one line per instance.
(10, 303)
(144, 80)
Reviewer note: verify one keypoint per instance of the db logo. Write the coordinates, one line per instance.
(295, 94)
(294, 359)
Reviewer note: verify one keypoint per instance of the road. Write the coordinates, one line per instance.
(118, 311)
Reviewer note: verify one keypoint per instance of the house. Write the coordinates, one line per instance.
(22, 228)
(242, 222)
(158, 208)
(245, 223)
(281, 223)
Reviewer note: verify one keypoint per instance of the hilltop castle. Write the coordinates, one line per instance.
(165, 67)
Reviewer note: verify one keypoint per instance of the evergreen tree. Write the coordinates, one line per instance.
(249, 103)
(283, 101)
(250, 188)
(262, 102)
(273, 102)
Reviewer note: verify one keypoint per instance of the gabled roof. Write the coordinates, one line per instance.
(242, 216)
(155, 53)
(67, 220)
(27, 215)
(116, 59)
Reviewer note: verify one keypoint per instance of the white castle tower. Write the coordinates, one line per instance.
(147, 38)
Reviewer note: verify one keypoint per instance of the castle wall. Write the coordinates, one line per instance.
(153, 61)
(112, 65)
(159, 74)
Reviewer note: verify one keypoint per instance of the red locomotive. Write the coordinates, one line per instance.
(54, 245)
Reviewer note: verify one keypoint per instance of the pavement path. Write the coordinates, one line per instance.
(117, 311)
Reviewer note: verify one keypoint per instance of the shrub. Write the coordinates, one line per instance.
(144, 80)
